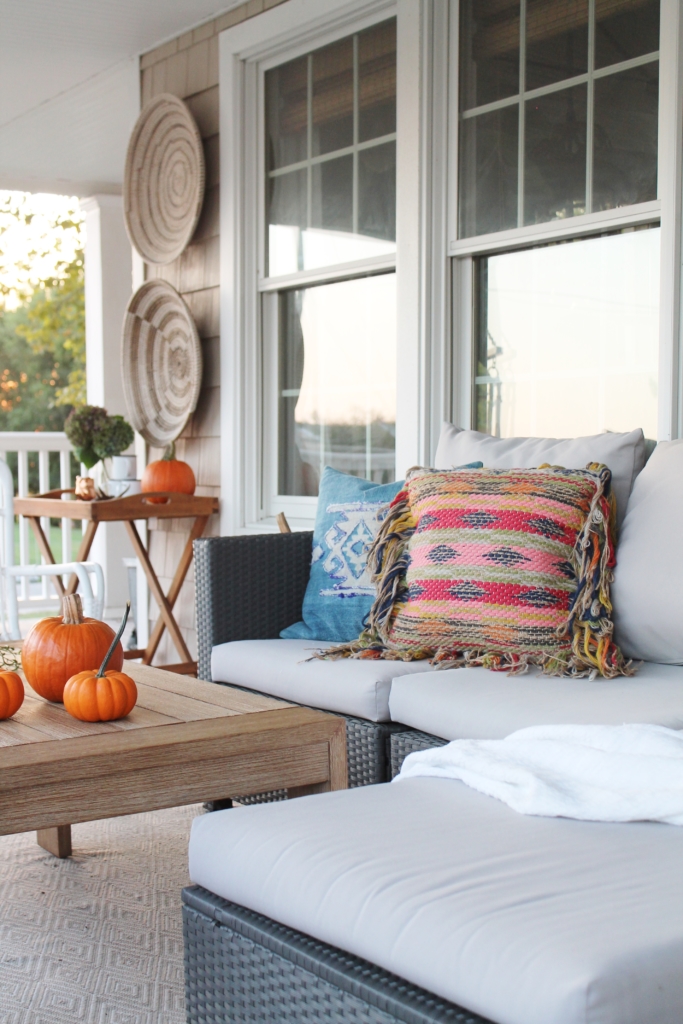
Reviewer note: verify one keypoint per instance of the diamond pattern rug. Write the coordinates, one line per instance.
(96, 939)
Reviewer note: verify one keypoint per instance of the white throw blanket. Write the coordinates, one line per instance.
(591, 772)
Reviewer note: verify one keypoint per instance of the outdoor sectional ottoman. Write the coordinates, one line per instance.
(410, 901)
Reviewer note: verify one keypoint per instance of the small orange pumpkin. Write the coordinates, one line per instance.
(168, 474)
(57, 648)
(11, 694)
(104, 695)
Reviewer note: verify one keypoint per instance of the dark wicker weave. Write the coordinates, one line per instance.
(243, 968)
(405, 741)
(250, 588)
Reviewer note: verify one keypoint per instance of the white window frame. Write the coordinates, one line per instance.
(245, 51)
(300, 510)
(665, 211)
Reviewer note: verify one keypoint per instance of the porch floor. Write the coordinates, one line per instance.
(96, 939)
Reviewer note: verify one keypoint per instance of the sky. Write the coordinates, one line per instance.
(31, 248)
(576, 331)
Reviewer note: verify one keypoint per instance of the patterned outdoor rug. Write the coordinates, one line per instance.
(96, 939)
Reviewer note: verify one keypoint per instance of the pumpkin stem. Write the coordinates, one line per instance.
(107, 657)
(169, 454)
(72, 610)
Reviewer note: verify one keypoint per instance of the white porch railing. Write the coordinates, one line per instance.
(38, 594)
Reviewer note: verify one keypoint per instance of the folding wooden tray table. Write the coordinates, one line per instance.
(127, 510)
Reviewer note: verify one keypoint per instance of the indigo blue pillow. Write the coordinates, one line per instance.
(339, 594)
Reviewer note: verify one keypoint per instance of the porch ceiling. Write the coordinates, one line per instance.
(69, 85)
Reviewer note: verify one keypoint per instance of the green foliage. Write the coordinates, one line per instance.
(30, 379)
(82, 427)
(114, 437)
(42, 340)
(54, 323)
(95, 435)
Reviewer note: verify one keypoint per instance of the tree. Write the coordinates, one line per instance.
(54, 325)
(42, 356)
(42, 339)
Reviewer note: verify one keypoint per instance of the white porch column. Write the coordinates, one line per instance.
(108, 287)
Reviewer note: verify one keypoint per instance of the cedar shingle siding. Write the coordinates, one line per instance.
(188, 68)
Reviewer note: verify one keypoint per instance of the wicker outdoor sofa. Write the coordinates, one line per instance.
(425, 901)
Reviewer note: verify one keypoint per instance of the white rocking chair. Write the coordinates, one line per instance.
(93, 602)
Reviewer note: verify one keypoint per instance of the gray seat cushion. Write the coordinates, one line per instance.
(475, 703)
(282, 668)
(524, 920)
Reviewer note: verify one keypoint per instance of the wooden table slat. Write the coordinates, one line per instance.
(13, 732)
(180, 707)
(217, 694)
(54, 722)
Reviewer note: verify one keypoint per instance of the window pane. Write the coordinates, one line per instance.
(568, 338)
(556, 41)
(339, 205)
(333, 194)
(337, 382)
(377, 81)
(625, 29)
(333, 97)
(377, 191)
(488, 172)
(625, 138)
(489, 51)
(555, 156)
(287, 113)
(286, 220)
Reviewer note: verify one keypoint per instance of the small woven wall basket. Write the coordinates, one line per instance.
(161, 363)
(163, 187)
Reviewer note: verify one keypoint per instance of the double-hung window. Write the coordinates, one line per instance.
(328, 293)
(557, 214)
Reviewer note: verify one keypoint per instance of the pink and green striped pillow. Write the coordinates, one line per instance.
(502, 568)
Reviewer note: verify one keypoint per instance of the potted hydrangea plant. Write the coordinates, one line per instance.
(96, 436)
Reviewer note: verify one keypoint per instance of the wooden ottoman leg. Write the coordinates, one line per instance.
(56, 841)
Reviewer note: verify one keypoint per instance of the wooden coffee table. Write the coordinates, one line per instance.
(185, 741)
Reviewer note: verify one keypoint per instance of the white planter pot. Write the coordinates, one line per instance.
(123, 467)
(122, 488)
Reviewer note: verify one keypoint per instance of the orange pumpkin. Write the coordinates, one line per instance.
(101, 696)
(11, 694)
(168, 474)
(57, 648)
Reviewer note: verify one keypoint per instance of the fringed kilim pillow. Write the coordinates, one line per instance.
(501, 568)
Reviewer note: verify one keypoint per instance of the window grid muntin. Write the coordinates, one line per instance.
(353, 150)
(523, 96)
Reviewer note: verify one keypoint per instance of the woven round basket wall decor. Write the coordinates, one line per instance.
(161, 363)
(163, 186)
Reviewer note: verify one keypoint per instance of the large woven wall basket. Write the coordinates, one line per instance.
(163, 187)
(161, 363)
